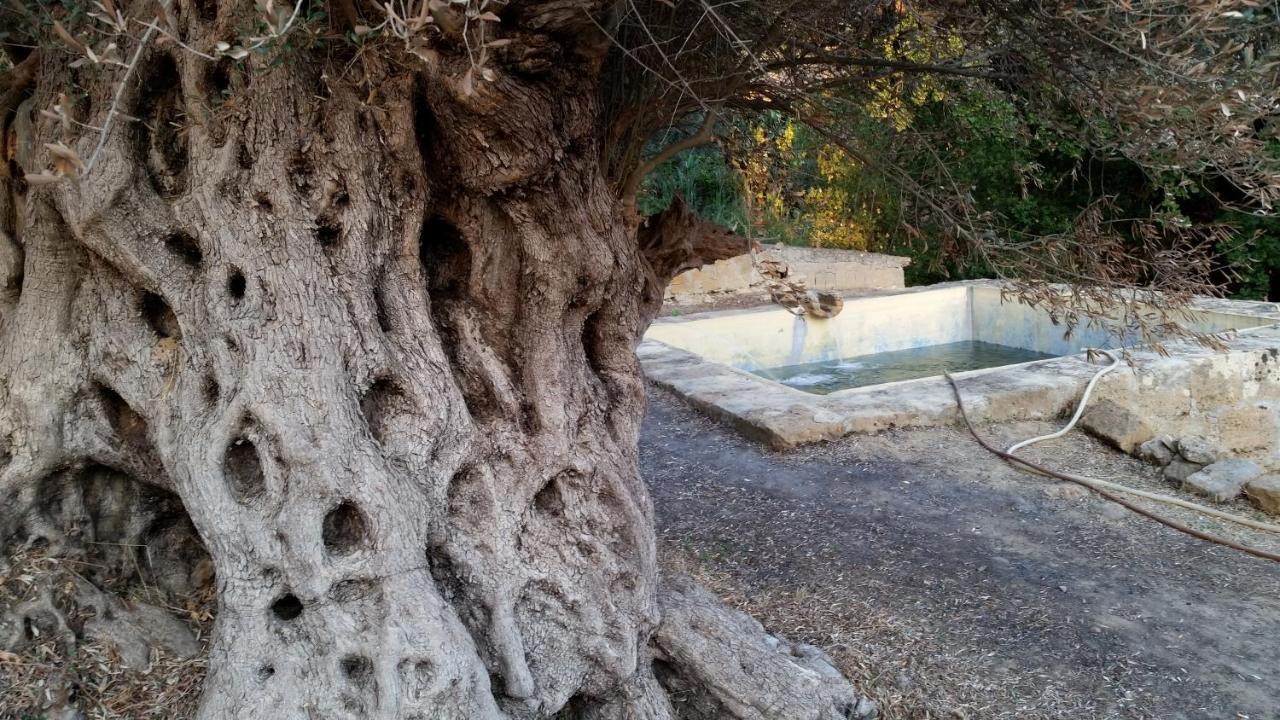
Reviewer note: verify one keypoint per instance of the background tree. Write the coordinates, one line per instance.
(353, 289)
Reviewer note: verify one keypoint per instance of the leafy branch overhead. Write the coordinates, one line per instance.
(1184, 90)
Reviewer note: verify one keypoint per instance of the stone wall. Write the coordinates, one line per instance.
(1229, 400)
(1212, 423)
(821, 268)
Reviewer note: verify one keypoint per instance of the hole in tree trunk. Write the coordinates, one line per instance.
(162, 132)
(301, 174)
(218, 81)
(380, 307)
(128, 528)
(593, 343)
(11, 272)
(577, 707)
(549, 501)
(211, 390)
(358, 669)
(124, 420)
(381, 404)
(497, 685)
(446, 264)
(287, 608)
(328, 233)
(424, 121)
(159, 316)
(665, 673)
(186, 248)
(348, 591)
(236, 284)
(344, 529)
(243, 471)
(207, 10)
(446, 259)
(472, 505)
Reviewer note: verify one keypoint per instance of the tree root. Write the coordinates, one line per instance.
(717, 663)
(29, 617)
(67, 607)
(61, 634)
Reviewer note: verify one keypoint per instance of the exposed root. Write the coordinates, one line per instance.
(717, 663)
(73, 650)
(35, 618)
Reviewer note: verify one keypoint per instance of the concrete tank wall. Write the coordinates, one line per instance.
(757, 339)
(771, 337)
(1006, 321)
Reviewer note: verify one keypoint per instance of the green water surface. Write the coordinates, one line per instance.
(829, 376)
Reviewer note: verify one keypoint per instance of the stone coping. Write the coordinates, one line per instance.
(804, 254)
(785, 417)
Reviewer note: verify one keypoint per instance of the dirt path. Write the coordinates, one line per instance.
(950, 586)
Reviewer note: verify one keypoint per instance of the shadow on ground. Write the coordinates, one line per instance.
(949, 586)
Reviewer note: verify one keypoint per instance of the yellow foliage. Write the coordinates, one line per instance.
(910, 41)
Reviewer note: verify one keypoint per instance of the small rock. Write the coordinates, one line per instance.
(1224, 480)
(1264, 491)
(866, 709)
(1066, 490)
(1179, 470)
(1157, 451)
(1196, 449)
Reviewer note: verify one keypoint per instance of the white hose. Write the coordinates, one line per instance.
(1167, 499)
(1084, 400)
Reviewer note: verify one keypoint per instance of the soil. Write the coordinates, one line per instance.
(948, 585)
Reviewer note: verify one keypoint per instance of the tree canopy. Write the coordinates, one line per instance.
(1184, 93)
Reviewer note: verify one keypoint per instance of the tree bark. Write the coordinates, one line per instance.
(374, 336)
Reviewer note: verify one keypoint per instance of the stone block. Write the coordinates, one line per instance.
(1117, 424)
(1179, 470)
(1223, 481)
(1196, 449)
(1158, 451)
(1264, 491)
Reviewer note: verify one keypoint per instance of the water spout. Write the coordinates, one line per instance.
(799, 332)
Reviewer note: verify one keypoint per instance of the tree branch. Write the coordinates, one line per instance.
(15, 83)
(705, 134)
(115, 100)
(677, 239)
(897, 65)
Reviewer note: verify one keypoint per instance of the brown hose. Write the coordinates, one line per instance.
(1028, 465)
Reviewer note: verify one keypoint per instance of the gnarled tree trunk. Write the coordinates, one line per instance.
(374, 336)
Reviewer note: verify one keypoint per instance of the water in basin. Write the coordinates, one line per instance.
(828, 376)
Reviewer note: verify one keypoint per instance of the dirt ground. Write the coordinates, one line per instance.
(949, 585)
